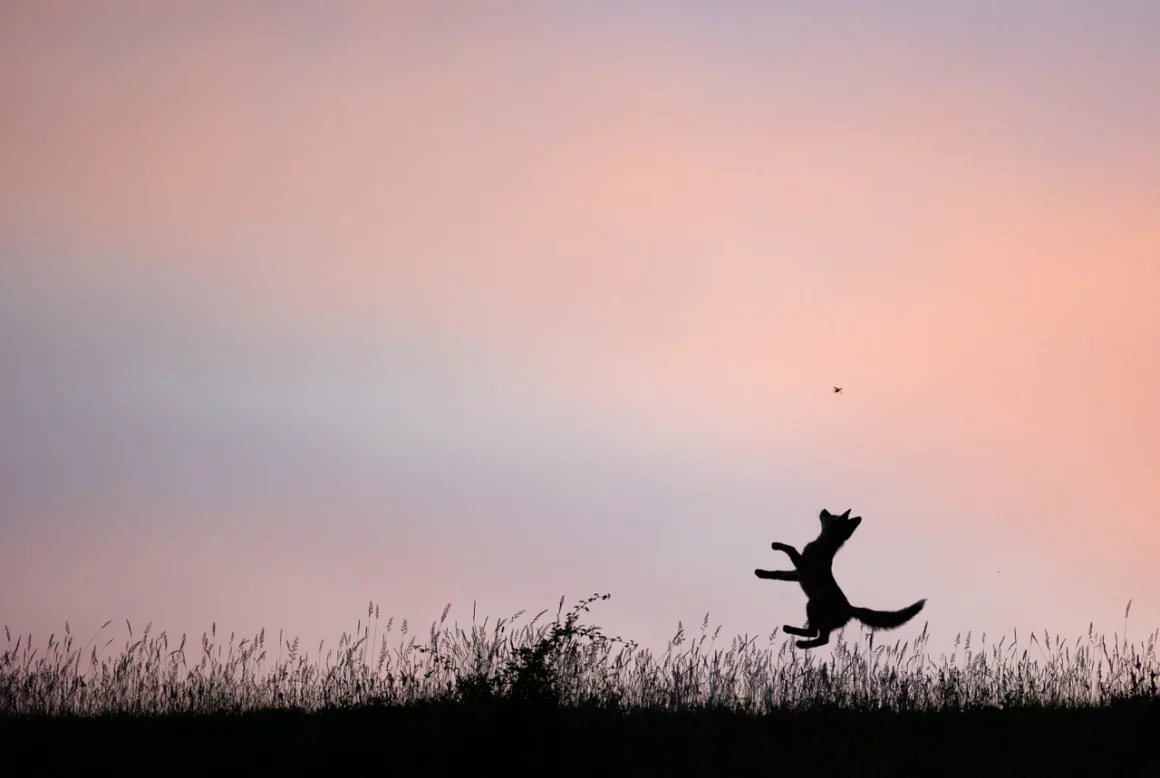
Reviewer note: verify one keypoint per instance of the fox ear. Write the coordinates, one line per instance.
(846, 515)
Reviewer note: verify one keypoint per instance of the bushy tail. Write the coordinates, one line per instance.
(887, 619)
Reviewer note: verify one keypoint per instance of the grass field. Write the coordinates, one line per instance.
(561, 697)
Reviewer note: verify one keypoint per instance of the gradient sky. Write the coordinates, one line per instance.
(308, 304)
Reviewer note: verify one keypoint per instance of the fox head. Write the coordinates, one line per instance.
(836, 530)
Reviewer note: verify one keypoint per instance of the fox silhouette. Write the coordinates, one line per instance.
(827, 608)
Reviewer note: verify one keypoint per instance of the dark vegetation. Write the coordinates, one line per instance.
(563, 698)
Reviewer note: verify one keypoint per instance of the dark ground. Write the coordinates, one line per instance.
(520, 740)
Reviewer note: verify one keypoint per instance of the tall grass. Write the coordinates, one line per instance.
(564, 662)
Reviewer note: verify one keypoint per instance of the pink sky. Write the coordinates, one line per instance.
(301, 307)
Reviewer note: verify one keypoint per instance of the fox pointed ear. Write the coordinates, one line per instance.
(846, 515)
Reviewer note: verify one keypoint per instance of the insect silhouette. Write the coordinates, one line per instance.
(837, 390)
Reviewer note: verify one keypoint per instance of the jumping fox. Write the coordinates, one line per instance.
(827, 608)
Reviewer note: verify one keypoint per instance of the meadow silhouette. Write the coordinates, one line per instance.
(561, 696)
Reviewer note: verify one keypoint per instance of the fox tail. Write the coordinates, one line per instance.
(887, 619)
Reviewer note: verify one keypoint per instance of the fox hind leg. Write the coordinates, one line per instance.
(822, 639)
(808, 632)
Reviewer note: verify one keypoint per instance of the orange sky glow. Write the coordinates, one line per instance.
(302, 307)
